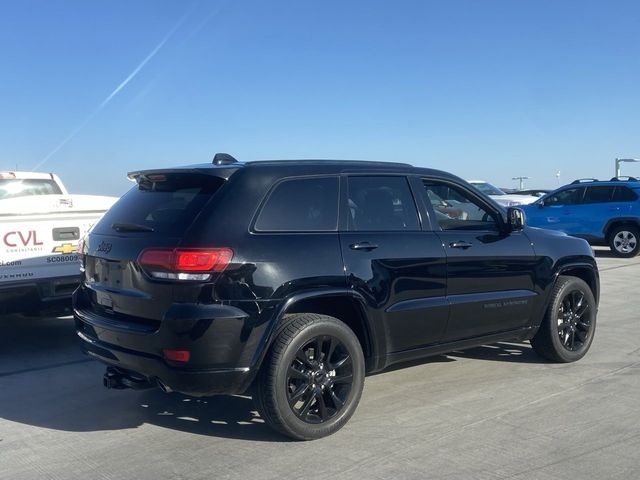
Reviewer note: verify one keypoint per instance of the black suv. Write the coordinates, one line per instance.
(294, 279)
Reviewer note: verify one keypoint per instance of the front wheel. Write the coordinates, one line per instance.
(569, 324)
(624, 241)
(312, 379)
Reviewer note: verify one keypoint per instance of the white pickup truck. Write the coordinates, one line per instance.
(40, 226)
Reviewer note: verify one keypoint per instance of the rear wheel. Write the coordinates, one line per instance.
(312, 379)
(567, 329)
(624, 241)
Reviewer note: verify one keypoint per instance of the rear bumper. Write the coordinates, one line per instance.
(222, 341)
(32, 295)
(196, 383)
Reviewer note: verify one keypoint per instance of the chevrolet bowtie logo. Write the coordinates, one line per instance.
(66, 248)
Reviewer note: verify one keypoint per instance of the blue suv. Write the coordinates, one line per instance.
(601, 212)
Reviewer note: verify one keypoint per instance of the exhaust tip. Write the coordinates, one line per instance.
(163, 387)
(121, 379)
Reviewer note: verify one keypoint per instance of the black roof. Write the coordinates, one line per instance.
(323, 162)
(297, 167)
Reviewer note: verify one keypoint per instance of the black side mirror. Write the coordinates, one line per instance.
(515, 218)
(541, 204)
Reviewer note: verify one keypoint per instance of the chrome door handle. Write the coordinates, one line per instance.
(366, 246)
(461, 244)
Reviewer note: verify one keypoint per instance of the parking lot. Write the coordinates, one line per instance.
(494, 412)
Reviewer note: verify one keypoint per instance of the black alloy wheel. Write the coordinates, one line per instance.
(574, 323)
(319, 379)
(567, 330)
(311, 382)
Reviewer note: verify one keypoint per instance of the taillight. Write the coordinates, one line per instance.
(199, 260)
(185, 263)
(180, 356)
(80, 247)
(81, 253)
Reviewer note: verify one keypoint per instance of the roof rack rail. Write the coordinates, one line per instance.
(584, 180)
(223, 159)
(624, 178)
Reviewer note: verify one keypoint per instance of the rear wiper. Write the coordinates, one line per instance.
(131, 227)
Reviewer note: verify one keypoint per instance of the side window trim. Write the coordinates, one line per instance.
(343, 207)
(424, 216)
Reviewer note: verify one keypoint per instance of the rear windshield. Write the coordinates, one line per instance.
(15, 187)
(162, 203)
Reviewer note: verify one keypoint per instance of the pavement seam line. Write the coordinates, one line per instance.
(48, 367)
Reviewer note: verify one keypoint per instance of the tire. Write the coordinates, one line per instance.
(569, 324)
(301, 395)
(624, 241)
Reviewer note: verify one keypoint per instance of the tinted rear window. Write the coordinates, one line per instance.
(624, 194)
(301, 205)
(598, 194)
(10, 188)
(166, 203)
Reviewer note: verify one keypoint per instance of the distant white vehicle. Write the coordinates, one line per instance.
(504, 199)
(40, 227)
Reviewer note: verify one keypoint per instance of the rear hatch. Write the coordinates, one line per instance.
(131, 255)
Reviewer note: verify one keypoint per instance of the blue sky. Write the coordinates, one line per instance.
(484, 89)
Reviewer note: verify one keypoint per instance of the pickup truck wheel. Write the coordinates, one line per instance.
(311, 382)
(567, 329)
(624, 241)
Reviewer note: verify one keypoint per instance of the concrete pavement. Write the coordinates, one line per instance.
(494, 412)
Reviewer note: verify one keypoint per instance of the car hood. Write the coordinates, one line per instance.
(514, 200)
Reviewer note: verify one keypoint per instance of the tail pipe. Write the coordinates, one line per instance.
(120, 379)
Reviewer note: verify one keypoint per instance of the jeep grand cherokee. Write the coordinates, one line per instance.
(292, 280)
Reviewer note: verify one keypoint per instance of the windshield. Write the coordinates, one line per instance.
(487, 188)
